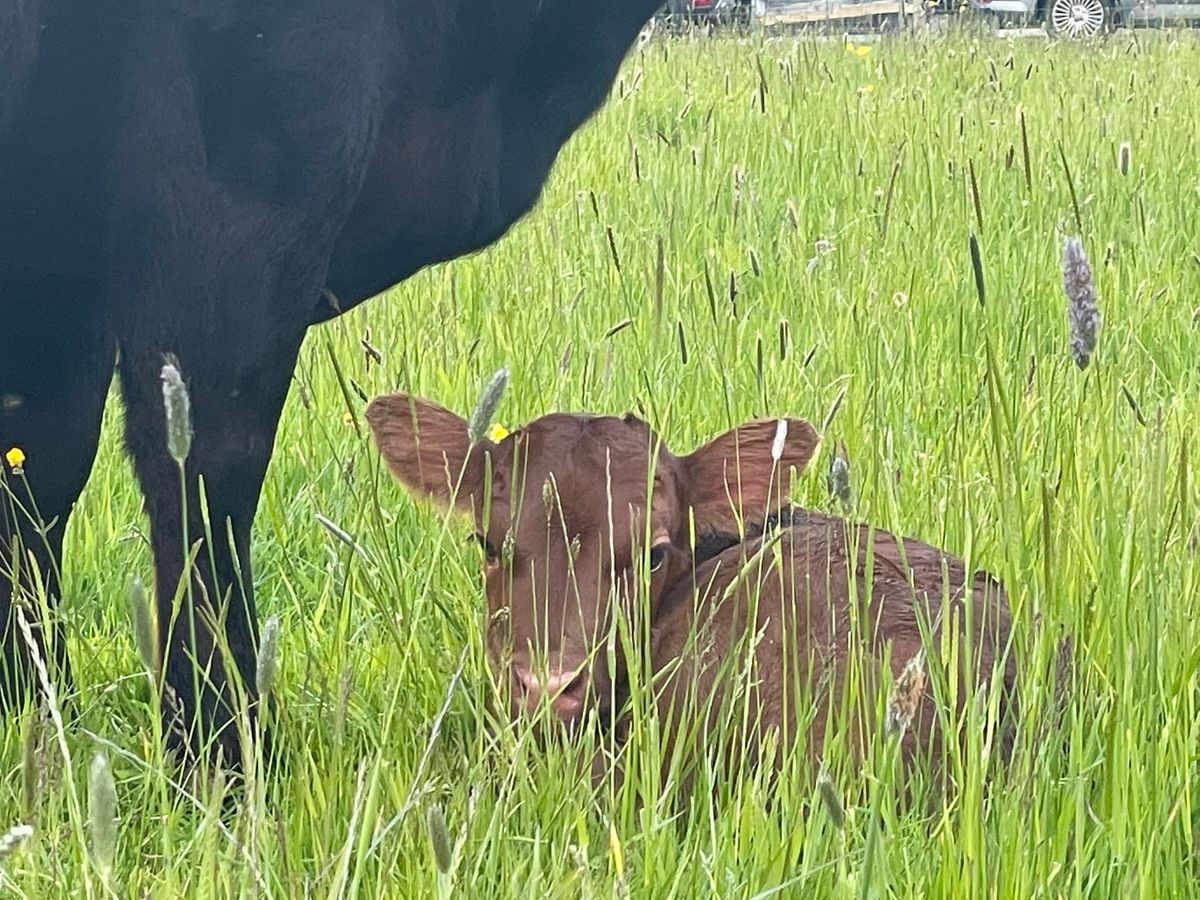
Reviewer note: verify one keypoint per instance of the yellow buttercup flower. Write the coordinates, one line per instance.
(347, 418)
(15, 458)
(849, 46)
(497, 433)
(862, 49)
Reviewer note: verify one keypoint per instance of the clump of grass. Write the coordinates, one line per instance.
(900, 710)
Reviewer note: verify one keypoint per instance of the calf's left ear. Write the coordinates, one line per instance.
(747, 472)
(428, 449)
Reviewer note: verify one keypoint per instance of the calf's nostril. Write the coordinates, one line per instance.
(526, 687)
(524, 678)
(564, 691)
(566, 694)
(569, 684)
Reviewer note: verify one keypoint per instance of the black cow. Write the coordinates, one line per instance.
(207, 179)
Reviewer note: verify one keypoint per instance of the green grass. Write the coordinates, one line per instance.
(967, 425)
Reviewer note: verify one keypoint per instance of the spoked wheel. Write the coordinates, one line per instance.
(1077, 19)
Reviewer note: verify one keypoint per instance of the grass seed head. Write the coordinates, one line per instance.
(102, 813)
(268, 657)
(178, 410)
(905, 697)
(439, 838)
(31, 763)
(781, 430)
(839, 476)
(1083, 312)
(143, 626)
(977, 268)
(830, 799)
(485, 409)
(12, 839)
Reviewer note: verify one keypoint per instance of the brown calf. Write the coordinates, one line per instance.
(561, 512)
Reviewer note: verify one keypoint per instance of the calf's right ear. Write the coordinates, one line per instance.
(428, 449)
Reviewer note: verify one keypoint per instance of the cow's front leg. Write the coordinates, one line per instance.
(56, 363)
(201, 513)
(237, 162)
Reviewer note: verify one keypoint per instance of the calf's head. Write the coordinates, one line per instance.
(570, 511)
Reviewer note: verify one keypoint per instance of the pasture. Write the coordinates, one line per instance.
(748, 228)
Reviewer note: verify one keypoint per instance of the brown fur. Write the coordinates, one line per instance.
(561, 509)
(828, 601)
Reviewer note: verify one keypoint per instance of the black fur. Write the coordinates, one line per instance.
(208, 178)
(713, 543)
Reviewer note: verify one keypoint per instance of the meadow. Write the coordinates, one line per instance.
(750, 227)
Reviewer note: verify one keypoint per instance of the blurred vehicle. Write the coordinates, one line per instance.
(1147, 12)
(708, 10)
(1076, 19)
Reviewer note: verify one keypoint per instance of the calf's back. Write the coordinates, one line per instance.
(826, 605)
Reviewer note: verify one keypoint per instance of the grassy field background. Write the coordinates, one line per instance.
(813, 207)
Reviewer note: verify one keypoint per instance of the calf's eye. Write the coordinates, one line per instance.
(658, 555)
